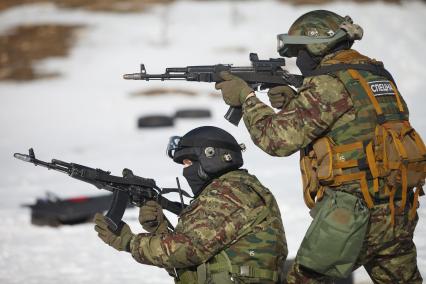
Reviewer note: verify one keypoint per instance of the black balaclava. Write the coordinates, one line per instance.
(307, 62)
(196, 177)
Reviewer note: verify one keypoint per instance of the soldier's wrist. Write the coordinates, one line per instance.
(252, 94)
(250, 100)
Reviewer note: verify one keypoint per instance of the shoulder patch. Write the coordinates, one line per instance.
(381, 88)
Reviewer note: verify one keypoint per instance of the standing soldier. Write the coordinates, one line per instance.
(362, 164)
(230, 233)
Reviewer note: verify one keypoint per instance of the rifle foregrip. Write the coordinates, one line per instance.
(116, 211)
(234, 115)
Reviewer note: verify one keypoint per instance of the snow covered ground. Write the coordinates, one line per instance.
(88, 116)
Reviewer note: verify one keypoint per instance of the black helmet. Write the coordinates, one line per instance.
(216, 150)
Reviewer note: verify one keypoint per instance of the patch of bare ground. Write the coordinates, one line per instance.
(123, 6)
(163, 91)
(314, 2)
(21, 47)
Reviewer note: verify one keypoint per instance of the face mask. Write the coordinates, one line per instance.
(306, 62)
(196, 177)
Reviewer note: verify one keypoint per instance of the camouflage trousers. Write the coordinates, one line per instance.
(388, 253)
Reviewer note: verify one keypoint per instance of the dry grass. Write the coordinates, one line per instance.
(24, 45)
(93, 5)
(123, 6)
(315, 2)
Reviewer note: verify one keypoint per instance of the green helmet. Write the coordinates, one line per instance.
(317, 31)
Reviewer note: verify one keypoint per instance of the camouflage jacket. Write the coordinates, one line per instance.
(320, 103)
(221, 219)
(324, 107)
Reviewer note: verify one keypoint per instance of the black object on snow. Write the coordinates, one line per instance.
(155, 121)
(193, 113)
(53, 211)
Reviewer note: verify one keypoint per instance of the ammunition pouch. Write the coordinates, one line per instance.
(334, 239)
(395, 159)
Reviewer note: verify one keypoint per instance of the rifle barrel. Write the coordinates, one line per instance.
(151, 77)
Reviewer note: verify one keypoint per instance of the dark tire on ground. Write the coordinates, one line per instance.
(151, 121)
(193, 113)
(45, 221)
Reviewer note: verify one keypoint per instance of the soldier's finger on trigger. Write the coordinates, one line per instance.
(218, 86)
(225, 75)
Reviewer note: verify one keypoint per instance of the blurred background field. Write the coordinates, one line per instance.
(62, 92)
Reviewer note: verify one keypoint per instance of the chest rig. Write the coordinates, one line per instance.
(377, 151)
(257, 253)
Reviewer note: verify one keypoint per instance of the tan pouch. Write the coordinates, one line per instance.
(322, 149)
(399, 157)
(312, 190)
(328, 161)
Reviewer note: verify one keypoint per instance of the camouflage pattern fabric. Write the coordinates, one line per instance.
(322, 107)
(212, 224)
(304, 119)
(388, 253)
(314, 24)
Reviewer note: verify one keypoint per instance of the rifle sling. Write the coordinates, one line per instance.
(373, 68)
(166, 190)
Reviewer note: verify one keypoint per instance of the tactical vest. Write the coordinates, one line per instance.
(256, 255)
(375, 149)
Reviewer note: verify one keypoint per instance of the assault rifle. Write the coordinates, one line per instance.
(262, 74)
(128, 188)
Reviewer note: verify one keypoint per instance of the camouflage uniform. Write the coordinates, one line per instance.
(233, 228)
(323, 107)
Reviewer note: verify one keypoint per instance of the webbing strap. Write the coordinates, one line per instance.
(373, 166)
(413, 208)
(345, 164)
(347, 147)
(251, 271)
(402, 167)
(373, 68)
(392, 205)
(361, 177)
(262, 215)
(404, 188)
(355, 75)
(339, 149)
(243, 270)
(320, 193)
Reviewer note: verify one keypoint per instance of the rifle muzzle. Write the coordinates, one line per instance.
(22, 157)
(133, 76)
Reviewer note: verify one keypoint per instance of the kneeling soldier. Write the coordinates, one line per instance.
(230, 233)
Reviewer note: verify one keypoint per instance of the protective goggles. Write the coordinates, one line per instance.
(173, 146)
(286, 41)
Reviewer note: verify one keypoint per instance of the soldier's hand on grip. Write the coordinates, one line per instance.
(280, 96)
(151, 218)
(234, 89)
(120, 242)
